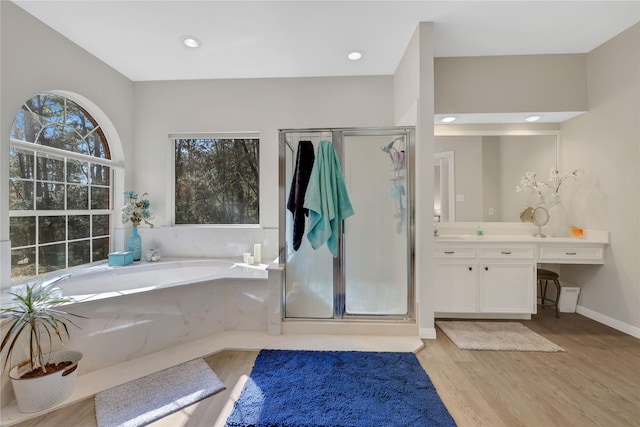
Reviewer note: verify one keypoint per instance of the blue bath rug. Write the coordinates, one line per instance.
(326, 388)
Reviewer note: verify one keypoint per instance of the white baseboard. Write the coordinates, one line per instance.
(634, 331)
(427, 333)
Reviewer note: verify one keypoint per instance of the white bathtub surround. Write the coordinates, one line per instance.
(192, 241)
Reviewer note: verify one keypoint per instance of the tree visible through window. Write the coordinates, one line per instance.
(59, 187)
(216, 181)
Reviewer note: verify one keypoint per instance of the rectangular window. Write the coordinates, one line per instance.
(217, 179)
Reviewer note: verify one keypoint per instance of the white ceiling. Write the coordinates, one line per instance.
(248, 39)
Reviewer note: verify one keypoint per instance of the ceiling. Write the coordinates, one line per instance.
(252, 39)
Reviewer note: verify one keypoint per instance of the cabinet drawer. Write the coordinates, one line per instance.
(569, 255)
(455, 253)
(506, 253)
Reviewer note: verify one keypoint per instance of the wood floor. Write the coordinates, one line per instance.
(595, 382)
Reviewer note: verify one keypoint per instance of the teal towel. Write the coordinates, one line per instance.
(326, 199)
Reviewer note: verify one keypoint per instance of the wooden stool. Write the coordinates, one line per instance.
(544, 276)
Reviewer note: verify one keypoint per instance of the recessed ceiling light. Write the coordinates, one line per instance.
(448, 119)
(190, 41)
(533, 118)
(355, 55)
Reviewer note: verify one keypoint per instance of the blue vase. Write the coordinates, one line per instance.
(134, 244)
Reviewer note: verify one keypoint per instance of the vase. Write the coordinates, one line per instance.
(134, 244)
(558, 225)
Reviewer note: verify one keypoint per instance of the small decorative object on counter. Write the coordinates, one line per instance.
(577, 232)
(153, 255)
(120, 258)
(136, 211)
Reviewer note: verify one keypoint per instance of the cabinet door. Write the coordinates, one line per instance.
(456, 289)
(506, 288)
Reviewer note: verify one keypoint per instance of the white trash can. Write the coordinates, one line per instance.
(568, 299)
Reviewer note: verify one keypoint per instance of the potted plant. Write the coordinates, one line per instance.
(46, 378)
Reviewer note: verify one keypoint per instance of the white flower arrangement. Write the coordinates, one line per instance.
(529, 182)
(135, 210)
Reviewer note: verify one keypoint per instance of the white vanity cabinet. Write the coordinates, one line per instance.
(484, 278)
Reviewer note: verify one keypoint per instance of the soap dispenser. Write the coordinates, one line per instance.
(479, 231)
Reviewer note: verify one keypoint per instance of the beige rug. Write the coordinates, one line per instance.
(505, 336)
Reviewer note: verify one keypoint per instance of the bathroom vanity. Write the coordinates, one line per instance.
(494, 275)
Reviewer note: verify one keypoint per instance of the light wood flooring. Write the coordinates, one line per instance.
(595, 382)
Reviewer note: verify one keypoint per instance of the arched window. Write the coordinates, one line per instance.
(60, 187)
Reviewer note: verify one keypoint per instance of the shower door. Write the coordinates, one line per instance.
(372, 275)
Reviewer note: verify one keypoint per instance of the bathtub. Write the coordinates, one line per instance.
(136, 310)
(103, 282)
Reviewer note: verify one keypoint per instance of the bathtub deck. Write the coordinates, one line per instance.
(91, 383)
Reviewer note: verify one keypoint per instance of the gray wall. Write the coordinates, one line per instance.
(605, 143)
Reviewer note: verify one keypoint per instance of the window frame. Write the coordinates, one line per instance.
(172, 176)
(115, 169)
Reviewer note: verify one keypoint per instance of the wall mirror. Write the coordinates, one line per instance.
(476, 173)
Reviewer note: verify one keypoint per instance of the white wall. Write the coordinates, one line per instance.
(262, 105)
(605, 143)
(34, 59)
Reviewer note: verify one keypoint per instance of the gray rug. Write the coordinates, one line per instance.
(140, 402)
(506, 336)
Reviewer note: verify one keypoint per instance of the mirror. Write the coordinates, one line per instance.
(476, 174)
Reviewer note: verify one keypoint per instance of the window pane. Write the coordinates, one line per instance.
(22, 231)
(77, 197)
(23, 263)
(99, 198)
(78, 226)
(20, 163)
(100, 249)
(217, 181)
(100, 225)
(48, 108)
(50, 168)
(77, 171)
(100, 175)
(79, 119)
(51, 229)
(98, 146)
(79, 253)
(20, 195)
(26, 126)
(49, 196)
(52, 257)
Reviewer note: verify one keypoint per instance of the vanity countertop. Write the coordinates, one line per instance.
(512, 233)
(589, 238)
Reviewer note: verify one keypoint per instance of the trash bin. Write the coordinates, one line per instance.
(568, 299)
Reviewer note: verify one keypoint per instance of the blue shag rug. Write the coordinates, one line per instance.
(289, 388)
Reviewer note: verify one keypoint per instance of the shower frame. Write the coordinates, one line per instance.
(339, 285)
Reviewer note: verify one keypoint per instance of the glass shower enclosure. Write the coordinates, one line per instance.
(372, 274)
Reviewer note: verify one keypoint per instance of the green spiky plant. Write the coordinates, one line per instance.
(34, 312)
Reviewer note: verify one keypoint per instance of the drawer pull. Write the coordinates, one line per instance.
(470, 268)
(506, 252)
(571, 253)
(449, 252)
(486, 269)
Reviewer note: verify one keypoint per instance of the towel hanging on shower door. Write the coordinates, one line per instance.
(326, 199)
(301, 175)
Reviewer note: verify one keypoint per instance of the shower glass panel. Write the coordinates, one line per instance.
(372, 275)
(375, 240)
(309, 282)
